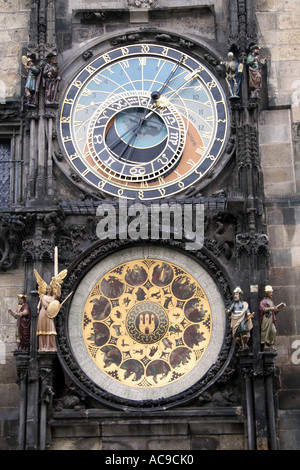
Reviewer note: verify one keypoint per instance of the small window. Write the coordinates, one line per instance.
(5, 169)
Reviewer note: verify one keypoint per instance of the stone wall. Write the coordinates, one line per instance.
(178, 430)
(275, 135)
(11, 284)
(279, 37)
(14, 27)
(279, 128)
(14, 33)
(279, 131)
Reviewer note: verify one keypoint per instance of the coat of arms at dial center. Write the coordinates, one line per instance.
(147, 323)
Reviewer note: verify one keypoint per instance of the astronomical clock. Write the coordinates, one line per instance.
(145, 122)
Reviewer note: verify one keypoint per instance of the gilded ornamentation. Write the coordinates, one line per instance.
(146, 323)
(48, 308)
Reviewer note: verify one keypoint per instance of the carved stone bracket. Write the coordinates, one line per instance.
(46, 389)
(252, 244)
(221, 229)
(147, 4)
(38, 250)
(269, 366)
(22, 361)
(13, 229)
(40, 244)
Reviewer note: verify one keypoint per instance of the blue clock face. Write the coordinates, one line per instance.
(144, 121)
(153, 133)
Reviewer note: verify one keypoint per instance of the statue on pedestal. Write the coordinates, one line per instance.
(49, 306)
(268, 323)
(241, 323)
(23, 316)
(51, 81)
(255, 64)
(32, 81)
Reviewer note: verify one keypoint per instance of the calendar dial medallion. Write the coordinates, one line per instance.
(144, 121)
(146, 324)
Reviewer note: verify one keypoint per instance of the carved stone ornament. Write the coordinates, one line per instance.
(13, 229)
(252, 243)
(142, 3)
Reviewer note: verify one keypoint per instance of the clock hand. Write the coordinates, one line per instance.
(154, 98)
(117, 141)
(135, 129)
(161, 101)
(190, 77)
(156, 94)
(134, 136)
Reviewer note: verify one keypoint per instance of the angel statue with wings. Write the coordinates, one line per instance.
(48, 308)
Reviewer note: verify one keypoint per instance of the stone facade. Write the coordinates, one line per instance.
(14, 18)
(279, 33)
(36, 220)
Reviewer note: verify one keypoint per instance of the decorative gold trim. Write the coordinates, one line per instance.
(46, 333)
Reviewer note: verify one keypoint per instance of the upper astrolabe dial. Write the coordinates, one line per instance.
(144, 121)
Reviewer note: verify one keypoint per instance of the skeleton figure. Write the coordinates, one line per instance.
(234, 72)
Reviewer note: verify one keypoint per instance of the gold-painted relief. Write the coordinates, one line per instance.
(147, 323)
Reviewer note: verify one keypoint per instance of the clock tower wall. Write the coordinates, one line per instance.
(172, 377)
